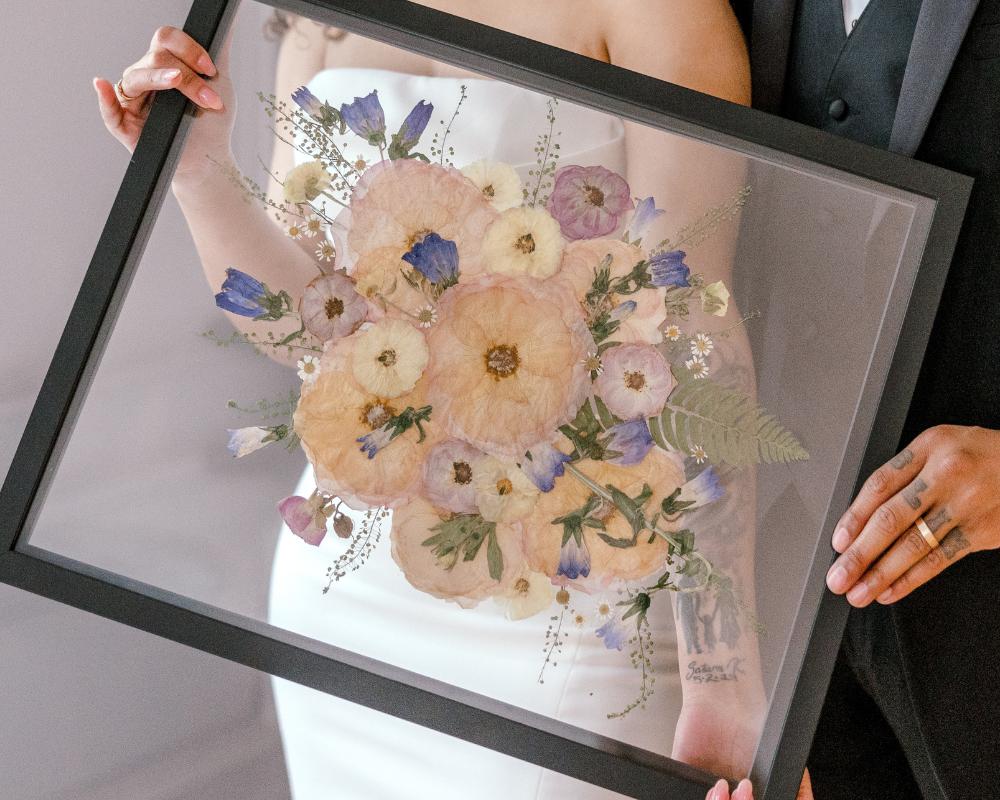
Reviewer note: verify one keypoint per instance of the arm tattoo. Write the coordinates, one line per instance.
(912, 494)
(954, 543)
(904, 459)
(704, 672)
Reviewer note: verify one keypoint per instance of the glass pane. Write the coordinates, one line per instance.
(531, 349)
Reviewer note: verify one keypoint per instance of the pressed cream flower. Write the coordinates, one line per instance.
(503, 492)
(523, 241)
(507, 363)
(528, 594)
(715, 299)
(308, 368)
(499, 182)
(306, 182)
(389, 358)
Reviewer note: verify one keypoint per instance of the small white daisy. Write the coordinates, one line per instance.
(593, 363)
(308, 368)
(698, 454)
(426, 316)
(672, 332)
(325, 251)
(312, 225)
(604, 609)
(702, 345)
(295, 231)
(697, 366)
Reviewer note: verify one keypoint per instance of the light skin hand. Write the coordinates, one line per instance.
(950, 476)
(744, 791)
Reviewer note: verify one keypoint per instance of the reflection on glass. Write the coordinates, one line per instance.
(573, 394)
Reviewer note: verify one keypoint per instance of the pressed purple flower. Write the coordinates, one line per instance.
(623, 311)
(308, 102)
(574, 559)
(643, 216)
(669, 269)
(372, 442)
(304, 517)
(588, 202)
(543, 463)
(632, 439)
(435, 258)
(449, 473)
(614, 632)
(366, 118)
(242, 294)
(331, 307)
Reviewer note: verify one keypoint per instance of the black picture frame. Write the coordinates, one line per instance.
(448, 709)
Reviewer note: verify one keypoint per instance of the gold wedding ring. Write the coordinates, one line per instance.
(927, 533)
(122, 97)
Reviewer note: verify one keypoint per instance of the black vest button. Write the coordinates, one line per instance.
(838, 109)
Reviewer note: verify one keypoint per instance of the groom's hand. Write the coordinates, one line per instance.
(934, 503)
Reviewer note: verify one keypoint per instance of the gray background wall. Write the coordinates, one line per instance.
(89, 709)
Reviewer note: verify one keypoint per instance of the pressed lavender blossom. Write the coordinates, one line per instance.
(669, 269)
(366, 118)
(632, 439)
(436, 259)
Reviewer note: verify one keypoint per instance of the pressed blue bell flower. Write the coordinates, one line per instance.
(632, 439)
(614, 632)
(372, 442)
(411, 130)
(435, 258)
(669, 269)
(702, 490)
(643, 216)
(574, 559)
(623, 311)
(366, 118)
(308, 102)
(242, 294)
(543, 464)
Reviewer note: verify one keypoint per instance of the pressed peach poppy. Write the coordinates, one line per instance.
(506, 366)
(542, 540)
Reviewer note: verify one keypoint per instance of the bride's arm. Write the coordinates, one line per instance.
(230, 231)
(698, 44)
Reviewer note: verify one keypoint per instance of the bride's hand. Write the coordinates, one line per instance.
(176, 61)
(745, 790)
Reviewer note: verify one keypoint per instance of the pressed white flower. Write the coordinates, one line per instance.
(325, 251)
(306, 182)
(672, 332)
(243, 441)
(528, 594)
(503, 492)
(427, 316)
(308, 368)
(697, 367)
(523, 241)
(715, 299)
(604, 609)
(702, 345)
(698, 454)
(593, 363)
(295, 231)
(313, 225)
(389, 358)
(499, 182)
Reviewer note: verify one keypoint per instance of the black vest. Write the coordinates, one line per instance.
(849, 85)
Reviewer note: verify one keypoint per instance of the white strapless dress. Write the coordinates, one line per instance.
(338, 750)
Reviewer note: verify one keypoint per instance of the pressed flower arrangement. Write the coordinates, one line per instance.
(502, 373)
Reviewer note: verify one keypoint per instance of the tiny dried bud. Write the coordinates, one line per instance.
(343, 526)
(562, 597)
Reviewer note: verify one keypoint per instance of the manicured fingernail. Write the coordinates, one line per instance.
(859, 594)
(169, 74)
(209, 97)
(836, 579)
(744, 791)
(206, 66)
(719, 791)
(841, 539)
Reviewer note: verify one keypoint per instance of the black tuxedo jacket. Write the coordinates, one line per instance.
(949, 115)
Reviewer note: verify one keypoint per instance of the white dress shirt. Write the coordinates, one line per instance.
(852, 10)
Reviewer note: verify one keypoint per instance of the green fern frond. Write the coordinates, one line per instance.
(726, 423)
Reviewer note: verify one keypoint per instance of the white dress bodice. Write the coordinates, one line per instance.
(336, 749)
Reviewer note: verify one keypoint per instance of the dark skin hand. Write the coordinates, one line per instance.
(949, 476)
